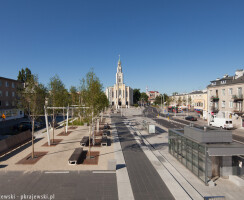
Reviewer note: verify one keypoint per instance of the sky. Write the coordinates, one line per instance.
(167, 45)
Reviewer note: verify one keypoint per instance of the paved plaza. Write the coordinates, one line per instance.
(145, 169)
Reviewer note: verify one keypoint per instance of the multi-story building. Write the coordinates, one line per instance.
(225, 98)
(119, 94)
(8, 99)
(152, 96)
(196, 100)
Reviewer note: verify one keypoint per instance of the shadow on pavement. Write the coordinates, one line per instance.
(18, 150)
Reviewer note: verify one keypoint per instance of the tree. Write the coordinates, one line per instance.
(93, 97)
(58, 96)
(189, 101)
(136, 95)
(24, 75)
(32, 100)
(92, 94)
(175, 93)
(179, 101)
(184, 100)
(144, 97)
(157, 100)
(74, 95)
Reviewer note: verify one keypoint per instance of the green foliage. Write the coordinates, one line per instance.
(58, 95)
(179, 101)
(136, 105)
(24, 75)
(77, 123)
(32, 97)
(144, 97)
(74, 96)
(136, 95)
(92, 94)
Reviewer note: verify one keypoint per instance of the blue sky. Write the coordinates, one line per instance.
(167, 45)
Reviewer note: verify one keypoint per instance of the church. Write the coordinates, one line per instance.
(119, 94)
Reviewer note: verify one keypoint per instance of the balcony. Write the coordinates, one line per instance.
(214, 98)
(237, 98)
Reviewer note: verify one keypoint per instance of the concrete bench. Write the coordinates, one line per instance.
(84, 141)
(104, 141)
(75, 157)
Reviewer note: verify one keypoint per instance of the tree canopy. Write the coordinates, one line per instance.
(136, 95)
(24, 75)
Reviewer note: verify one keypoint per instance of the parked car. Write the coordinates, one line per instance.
(25, 125)
(191, 118)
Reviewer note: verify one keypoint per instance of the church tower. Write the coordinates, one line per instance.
(119, 74)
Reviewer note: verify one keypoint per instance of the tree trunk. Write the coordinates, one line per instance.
(64, 121)
(53, 126)
(89, 152)
(72, 117)
(32, 139)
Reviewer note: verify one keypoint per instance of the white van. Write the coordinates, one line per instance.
(222, 123)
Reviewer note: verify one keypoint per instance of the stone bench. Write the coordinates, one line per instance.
(84, 141)
(104, 141)
(75, 157)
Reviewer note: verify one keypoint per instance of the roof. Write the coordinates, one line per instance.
(230, 80)
(9, 79)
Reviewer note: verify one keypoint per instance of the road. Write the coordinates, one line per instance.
(145, 181)
(72, 185)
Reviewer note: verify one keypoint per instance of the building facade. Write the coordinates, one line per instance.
(8, 99)
(120, 94)
(152, 96)
(225, 98)
(194, 101)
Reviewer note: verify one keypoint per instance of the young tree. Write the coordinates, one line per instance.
(179, 101)
(184, 100)
(32, 100)
(58, 96)
(92, 97)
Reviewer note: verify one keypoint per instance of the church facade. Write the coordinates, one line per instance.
(120, 94)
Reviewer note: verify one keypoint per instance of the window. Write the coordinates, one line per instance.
(223, 104)
(13, 94)
(13, 85)
(1, 94)
(231, 104)
(6, 103)
(239, 91)
(6, 93)
(223, 82)
(6, 84)
(0, 83)
(230, 91)
(223, 92)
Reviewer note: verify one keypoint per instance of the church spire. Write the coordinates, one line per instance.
(119, 62)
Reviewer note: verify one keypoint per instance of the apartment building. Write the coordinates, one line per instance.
(225, 98)
(152, 96)
(8, 98)
(196, 100)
